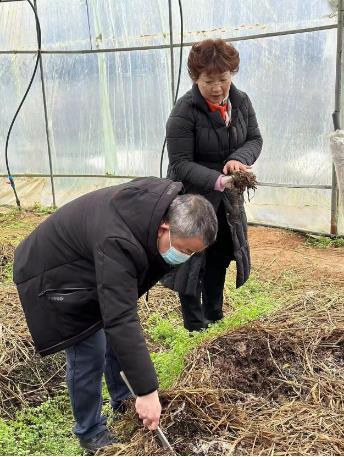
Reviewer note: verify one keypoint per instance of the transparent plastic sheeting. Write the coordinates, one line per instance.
(91, 24)
(105, 115)
(37, 190)
(337, 150)
(306, 209)
(107, 111)
(28, 150)
(234, 19)
(291, 83)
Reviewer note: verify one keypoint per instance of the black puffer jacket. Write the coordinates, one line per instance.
(85, 267)
(199, 144)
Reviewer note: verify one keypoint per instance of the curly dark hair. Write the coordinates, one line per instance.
(212, 56)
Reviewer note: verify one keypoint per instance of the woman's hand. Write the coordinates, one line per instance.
(235, 165)
(148, 408)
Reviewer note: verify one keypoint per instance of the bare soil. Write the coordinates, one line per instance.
(275, 251)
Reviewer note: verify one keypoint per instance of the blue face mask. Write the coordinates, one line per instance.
(174, 257)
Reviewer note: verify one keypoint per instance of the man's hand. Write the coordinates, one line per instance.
(148, 408)
(235, 165)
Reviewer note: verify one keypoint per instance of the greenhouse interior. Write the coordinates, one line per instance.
(109, 72)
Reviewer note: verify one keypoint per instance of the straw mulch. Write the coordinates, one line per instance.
(25, 378)
(6, 258)
(271, 387)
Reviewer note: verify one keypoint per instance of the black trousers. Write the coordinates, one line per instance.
(207, 304)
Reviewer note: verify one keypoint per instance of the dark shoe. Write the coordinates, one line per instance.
(102, 439)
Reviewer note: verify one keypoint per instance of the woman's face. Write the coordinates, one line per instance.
(214, 87)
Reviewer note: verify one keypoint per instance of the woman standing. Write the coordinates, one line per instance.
(212, 131)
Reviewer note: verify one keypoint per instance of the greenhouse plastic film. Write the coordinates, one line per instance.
(37, 190)
(337, 150)
(107, 112)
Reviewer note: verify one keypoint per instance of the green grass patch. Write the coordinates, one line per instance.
(14, 228)
(252, 301)
(44, 430)
(7, 274)
(325, 242)
(42, 210)
(16, 224)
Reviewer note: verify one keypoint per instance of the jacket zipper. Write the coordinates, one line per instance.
(61, 291)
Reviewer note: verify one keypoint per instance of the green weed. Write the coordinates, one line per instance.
(45, 430)
(7, 274)
(252, 301)
(325, 242)
(16, 224)
(42, 210)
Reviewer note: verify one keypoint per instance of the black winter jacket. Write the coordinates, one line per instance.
(199, 144)
(86, 265)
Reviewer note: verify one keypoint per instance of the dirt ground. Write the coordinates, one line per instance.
(275, 251)
(272, 387)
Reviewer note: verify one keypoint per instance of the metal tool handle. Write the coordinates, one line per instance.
(164, 441)
(125, 379)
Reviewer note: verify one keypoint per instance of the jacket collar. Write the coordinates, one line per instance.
(235, 97)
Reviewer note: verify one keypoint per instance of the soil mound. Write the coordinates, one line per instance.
(271, 387)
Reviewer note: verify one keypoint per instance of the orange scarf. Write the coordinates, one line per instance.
(222, 108)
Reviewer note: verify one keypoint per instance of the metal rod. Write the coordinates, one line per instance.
(284, 227)
(336, 115)
(176, 45)
(161, 435)
(62, 175)
(89, 24)
(170, 23)
(334, 203)
(47, 132)
(294, 186)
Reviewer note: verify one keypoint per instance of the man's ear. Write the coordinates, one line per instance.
(162, 228)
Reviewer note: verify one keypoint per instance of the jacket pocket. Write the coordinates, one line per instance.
(73, 309)
(65, 292)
